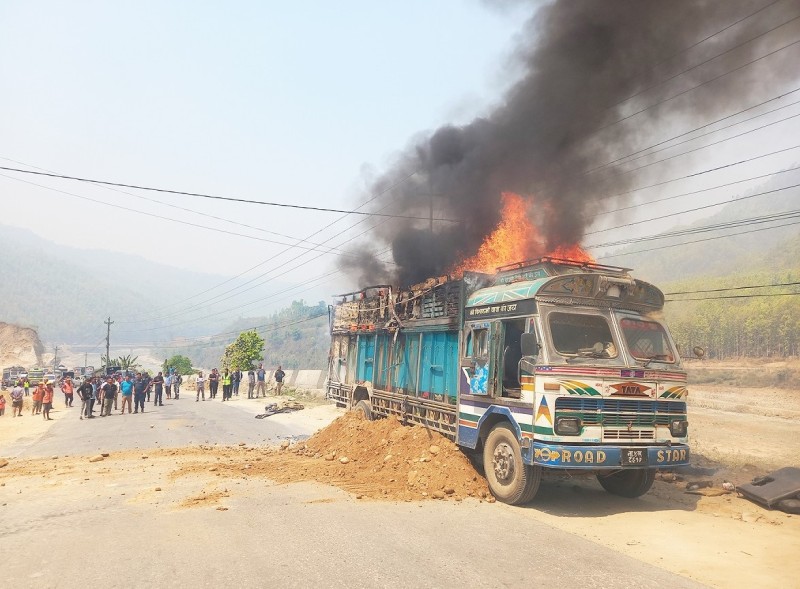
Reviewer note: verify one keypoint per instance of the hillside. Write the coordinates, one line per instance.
(66, 293)
(753, 248)
(295, 337)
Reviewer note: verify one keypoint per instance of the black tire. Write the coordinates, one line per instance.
(364, 408)
(510, 480)
(628, 483)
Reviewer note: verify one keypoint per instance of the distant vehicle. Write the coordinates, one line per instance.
(49, 376)
(35, 376)
(12, 375)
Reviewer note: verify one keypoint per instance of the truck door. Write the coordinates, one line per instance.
(366, 358)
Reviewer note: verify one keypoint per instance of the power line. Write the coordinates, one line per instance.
(651, 202)
(700, 173)
(173, 220)
(317, 232)
(751, 62)
(704, 228)
(750, 286)
(618, 161)
(710, 59)
(226, 198)
(750, 296)
(170, 205)
(742, 134)
(704, 207)
(694, 241)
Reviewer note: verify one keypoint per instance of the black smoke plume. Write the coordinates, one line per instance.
(580, 59)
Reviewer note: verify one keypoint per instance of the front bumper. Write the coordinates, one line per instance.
(605, 456)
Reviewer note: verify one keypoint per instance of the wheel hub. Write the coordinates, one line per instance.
(503, 462)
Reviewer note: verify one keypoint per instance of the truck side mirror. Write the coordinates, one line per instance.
(529, 345)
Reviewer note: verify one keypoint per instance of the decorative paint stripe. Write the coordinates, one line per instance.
(546, 431)
(470, 424)
(615, 372)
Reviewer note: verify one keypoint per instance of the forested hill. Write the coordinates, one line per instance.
(295, 337)
(66, 293)
(748, 241)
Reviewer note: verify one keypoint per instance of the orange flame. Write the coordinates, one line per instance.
(515, 239)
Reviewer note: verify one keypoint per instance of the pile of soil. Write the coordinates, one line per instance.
(19, 346)
(381, 459)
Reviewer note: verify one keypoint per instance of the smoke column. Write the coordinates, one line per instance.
(580, 60)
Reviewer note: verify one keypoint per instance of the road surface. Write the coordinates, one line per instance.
(87, 525)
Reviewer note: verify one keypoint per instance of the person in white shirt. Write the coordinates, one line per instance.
(201, 386)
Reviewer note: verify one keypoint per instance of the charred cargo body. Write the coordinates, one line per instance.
(545, 364)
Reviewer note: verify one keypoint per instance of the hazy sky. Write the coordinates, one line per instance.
(295, 102)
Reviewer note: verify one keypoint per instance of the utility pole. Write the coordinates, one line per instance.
(108, 323)
(55, 359)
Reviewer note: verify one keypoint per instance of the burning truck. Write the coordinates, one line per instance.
(551, 363)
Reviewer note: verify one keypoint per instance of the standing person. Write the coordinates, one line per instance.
(176, 384)
(158, 391)
(126, 392)
(251, 382)
(149, 382)
(213, 383)
(141, 385)
(2, 405)
(117, 381)
(236, 377)
(279, 374)
(168, 384)
(16, 401)
(86, 395)
(107, 392)
(47, 400)
(67, 388)
(37, 395)
(27, 386)
(201, 386)
(226, 385)
(261, 381)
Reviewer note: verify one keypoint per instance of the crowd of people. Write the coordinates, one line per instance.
(112, 391)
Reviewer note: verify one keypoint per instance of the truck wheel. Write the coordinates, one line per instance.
(365, 410)
(510, 480)
(628, 483)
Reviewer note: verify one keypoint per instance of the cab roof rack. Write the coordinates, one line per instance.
(562, 262)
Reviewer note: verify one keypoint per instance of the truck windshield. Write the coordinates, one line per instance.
(580, 335)
(647, 340)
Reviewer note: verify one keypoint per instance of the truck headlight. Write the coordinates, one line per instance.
(568, 426)
(678, 428)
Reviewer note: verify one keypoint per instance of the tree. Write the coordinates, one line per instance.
(124, 362)
(181, 364)
(241, 354)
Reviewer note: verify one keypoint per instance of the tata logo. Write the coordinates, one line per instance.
(630, 389)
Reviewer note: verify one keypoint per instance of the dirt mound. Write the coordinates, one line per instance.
(372, 459)
(385, 458)
(19, 346)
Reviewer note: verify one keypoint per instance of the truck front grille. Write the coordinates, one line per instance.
(621, 419)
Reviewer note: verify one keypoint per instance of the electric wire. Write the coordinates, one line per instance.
(683, 92)
(703, 229)
(226, 198)
(701, 208)
(749, 286)
(617, 255)
(710, 59)
(618, 160)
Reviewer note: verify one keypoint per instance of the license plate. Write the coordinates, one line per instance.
(634, 456)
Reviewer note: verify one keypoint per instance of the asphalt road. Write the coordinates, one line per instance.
(180, 422)
(90, 528)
